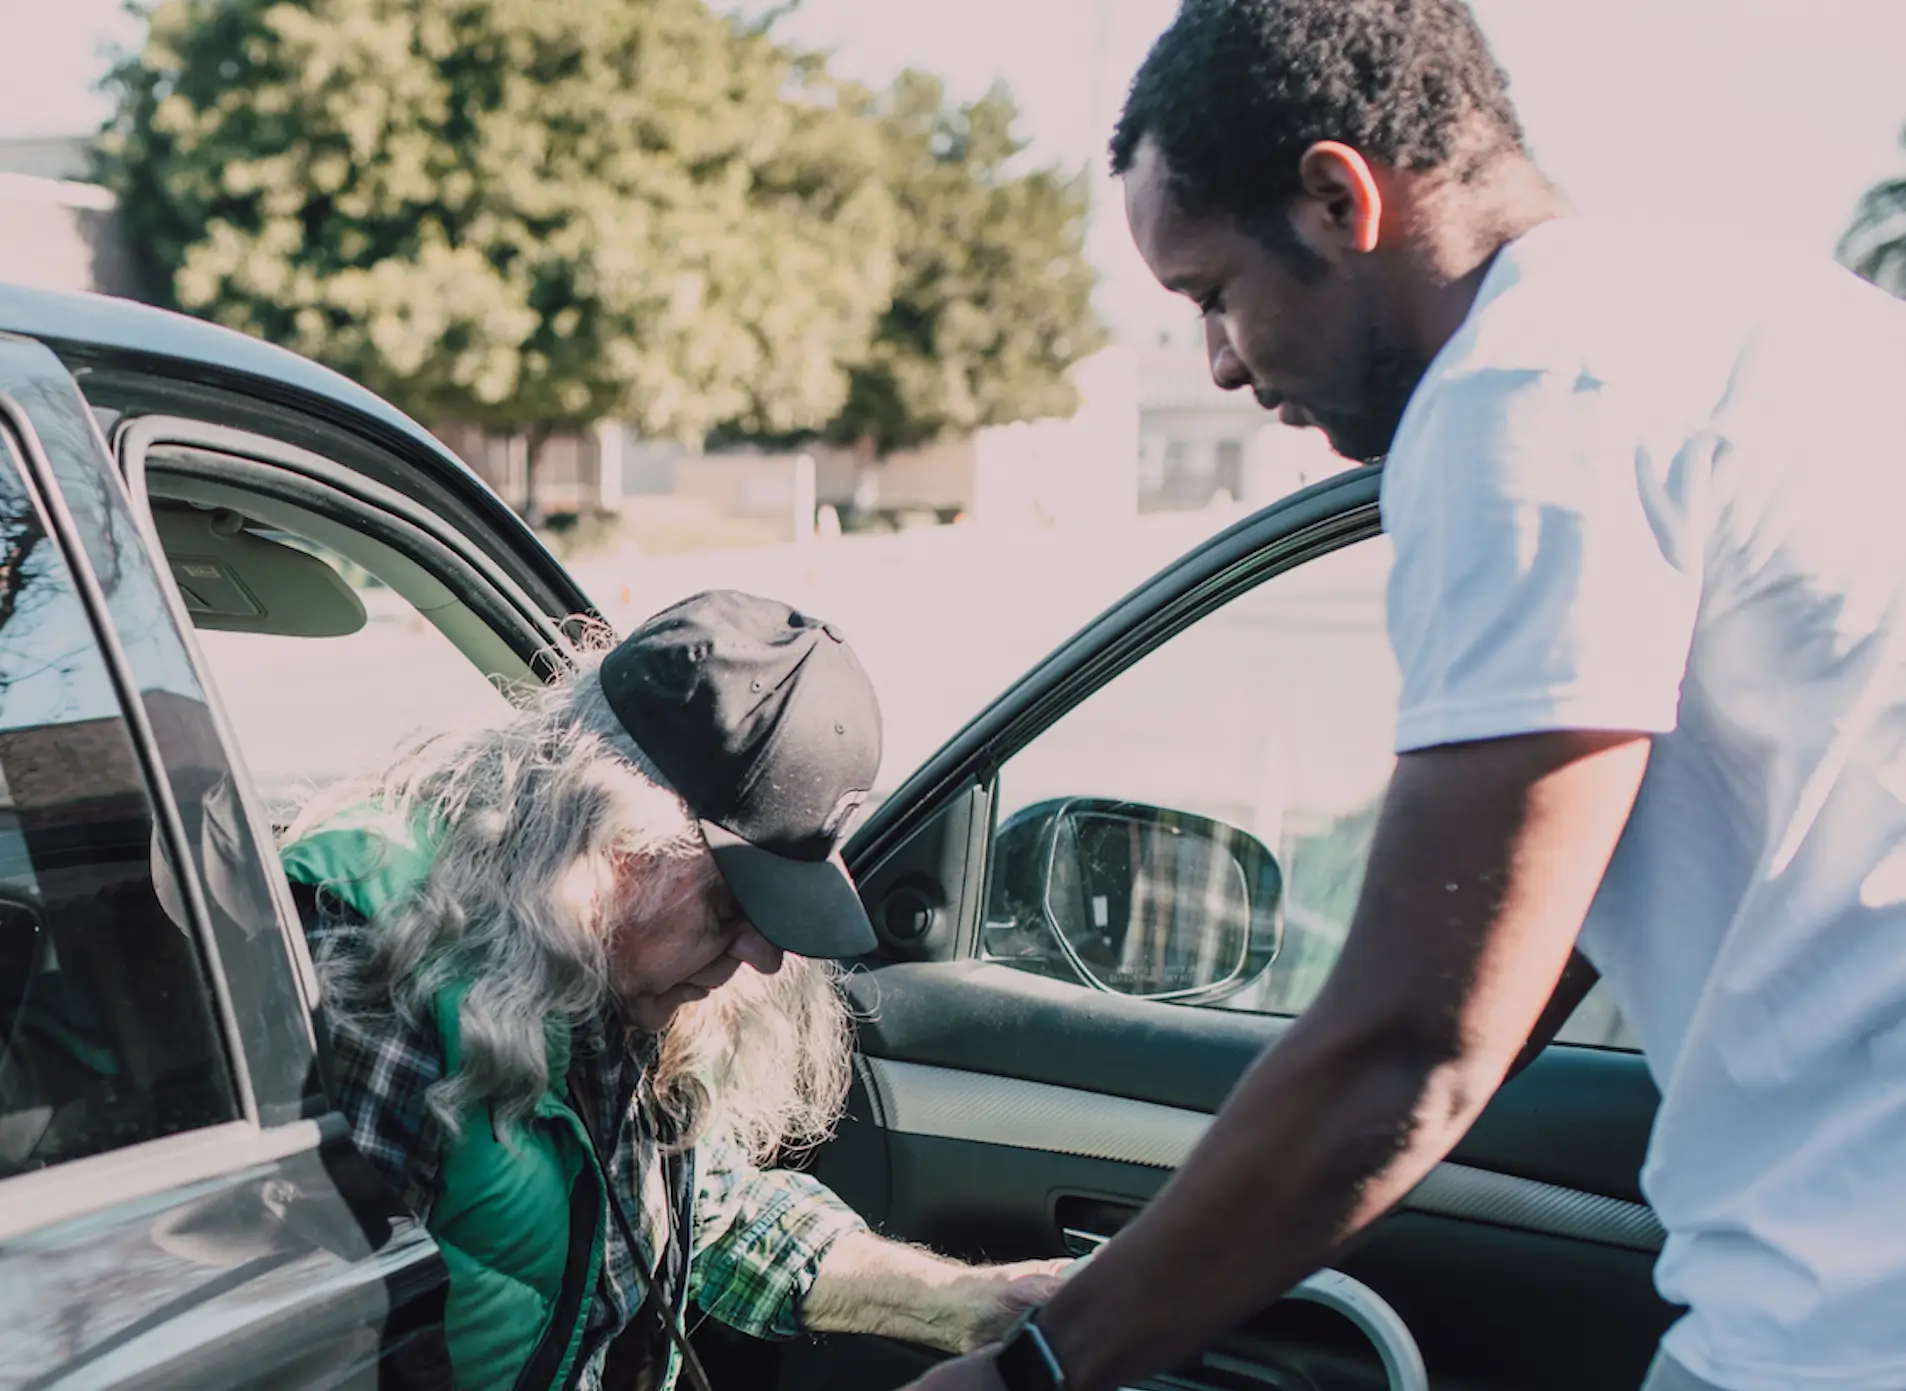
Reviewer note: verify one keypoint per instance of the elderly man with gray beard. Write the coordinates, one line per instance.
(579, 988)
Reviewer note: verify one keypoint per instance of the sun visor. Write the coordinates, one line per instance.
(235, 580)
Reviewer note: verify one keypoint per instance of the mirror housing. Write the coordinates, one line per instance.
(1134, 900)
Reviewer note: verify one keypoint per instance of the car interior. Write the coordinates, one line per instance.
(262, 544)
(236, 557)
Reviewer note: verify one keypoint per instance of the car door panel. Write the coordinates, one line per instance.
(924, 1102)
(1575, 1118)
(1501, 1275)
(294, 1271)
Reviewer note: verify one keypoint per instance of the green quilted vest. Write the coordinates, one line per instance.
(521, 1218)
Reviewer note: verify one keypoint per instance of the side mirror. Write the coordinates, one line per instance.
(1134, 900)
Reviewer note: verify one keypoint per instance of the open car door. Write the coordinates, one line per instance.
(1121, 883)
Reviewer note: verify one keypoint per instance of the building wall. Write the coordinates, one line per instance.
(1199, 444)
(61, 157)
(60, 236)
(1080, 471)
(568, 472)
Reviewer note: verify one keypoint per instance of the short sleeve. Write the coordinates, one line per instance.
(1546, 575)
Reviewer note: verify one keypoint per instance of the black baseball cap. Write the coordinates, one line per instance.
(764, 722)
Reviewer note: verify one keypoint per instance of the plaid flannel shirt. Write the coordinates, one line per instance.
(758, 1236)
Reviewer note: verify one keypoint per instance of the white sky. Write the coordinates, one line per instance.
(1777, 113)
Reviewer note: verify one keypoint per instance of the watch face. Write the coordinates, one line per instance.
(1025, 1361)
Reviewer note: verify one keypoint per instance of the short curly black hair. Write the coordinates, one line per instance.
(1235, 91)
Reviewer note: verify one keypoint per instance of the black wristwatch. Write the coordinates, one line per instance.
(1025, 1360)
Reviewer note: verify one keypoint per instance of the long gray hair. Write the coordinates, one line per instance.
(535, 817)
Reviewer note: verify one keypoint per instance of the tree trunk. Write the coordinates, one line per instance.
(533, 442)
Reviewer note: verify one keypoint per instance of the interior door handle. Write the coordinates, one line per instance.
(1080, 1242)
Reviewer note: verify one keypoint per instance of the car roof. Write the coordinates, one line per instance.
(106, 321)
(148, 339)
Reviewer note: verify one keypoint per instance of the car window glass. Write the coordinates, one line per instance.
(1274, 716)
(108, 1030)
(77, 453)
(309, 710)
(268, 1006)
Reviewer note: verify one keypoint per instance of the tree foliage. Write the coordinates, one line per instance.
(993, 300)
(514, 213)
(531, 215)
(1875, 245)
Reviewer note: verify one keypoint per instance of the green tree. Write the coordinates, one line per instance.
(993, 301)
(527, 215)
(1875, 245)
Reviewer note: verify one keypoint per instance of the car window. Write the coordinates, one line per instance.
(223, 839)
(1273, 717)
(108, 1030)
(308, 710)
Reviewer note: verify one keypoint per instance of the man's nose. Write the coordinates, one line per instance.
(752, 949)
(1227, 368)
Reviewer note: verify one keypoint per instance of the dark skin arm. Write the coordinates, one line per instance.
(1486, 858)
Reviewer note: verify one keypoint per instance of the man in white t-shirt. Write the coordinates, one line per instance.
(1649, 605)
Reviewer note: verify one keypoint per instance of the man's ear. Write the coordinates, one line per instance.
(1341, 208)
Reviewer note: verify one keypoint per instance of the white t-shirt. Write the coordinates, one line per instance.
(1659, 483)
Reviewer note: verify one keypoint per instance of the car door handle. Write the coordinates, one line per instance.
(1080, 1242)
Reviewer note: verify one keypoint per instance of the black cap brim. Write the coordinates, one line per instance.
(808, 907)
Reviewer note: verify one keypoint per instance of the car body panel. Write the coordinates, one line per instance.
(132, 357)
(104, 326)
(292, 1272)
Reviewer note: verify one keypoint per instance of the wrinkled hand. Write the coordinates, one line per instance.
(988, 1299)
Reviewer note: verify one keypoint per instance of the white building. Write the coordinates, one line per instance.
(61, 157)
(1197, 442)
(1077, 471)
(57, 232)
